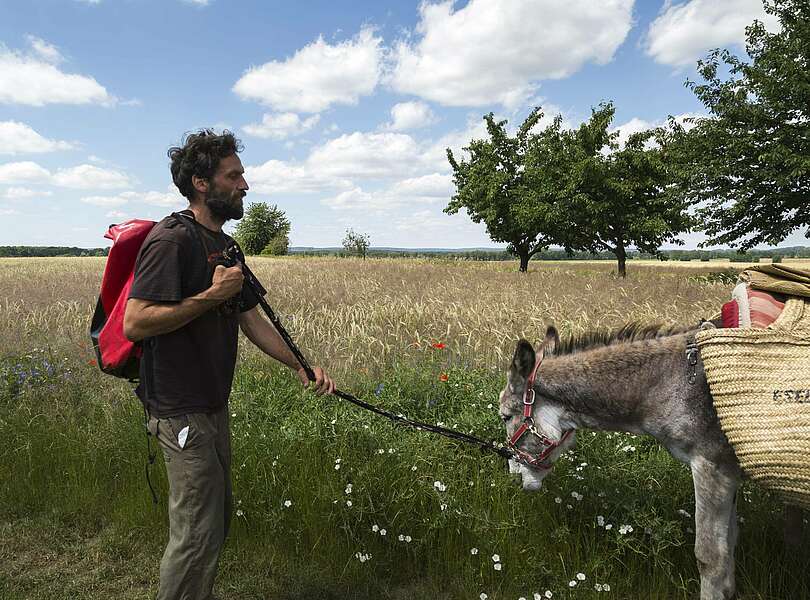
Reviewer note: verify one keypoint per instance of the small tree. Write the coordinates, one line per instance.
(356, 243)
(513, 185)
(623, 195)
(260, 225)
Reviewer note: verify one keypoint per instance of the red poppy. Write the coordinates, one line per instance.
(438, 346)
(92, 362)
(443, 377)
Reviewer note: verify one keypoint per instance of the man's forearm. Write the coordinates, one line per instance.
(159, 318)
(265, 336)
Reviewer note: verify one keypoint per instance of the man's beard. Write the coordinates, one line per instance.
(223, 205)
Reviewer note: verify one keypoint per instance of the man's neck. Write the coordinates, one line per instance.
(203, 216)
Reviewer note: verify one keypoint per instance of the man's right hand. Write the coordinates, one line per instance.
(226, 283)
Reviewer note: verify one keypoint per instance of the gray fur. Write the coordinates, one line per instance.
(636, 381)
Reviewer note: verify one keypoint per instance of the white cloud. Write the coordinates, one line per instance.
(684, 32)
(90, 177)
(369, 155)
(198, 2)
(433, 186)
(279, 177)
(22, 193)
(117, 214)
(105, 200)
(279, 126)
(316, 76)
(495, 51)
(31, 80)
(23, 172)
(47, 52)
(8, 211)
(427, 189)
(19, 138)
(636, 125)
(410, 115)
(168, 199)
(78, 177)
(356, 199)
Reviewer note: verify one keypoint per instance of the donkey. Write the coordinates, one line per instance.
(638, 380)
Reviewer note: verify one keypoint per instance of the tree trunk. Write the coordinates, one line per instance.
(621, 255)
(524, 261)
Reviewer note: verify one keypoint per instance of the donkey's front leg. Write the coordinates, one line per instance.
(715, 528)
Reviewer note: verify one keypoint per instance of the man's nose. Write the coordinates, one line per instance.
(244, 185)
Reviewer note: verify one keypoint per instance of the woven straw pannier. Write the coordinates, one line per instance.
(760, 382)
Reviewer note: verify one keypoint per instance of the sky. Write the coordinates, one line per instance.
(345, 109)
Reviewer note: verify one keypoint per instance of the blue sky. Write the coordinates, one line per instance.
(344, 108)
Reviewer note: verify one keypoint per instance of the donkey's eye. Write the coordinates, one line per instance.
(506, 418)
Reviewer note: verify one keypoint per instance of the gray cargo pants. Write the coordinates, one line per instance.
(198, 467)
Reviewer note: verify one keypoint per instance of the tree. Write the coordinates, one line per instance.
(260, 225)
(277, 246)
(356, 242)
(750, 159)
(624, 196)
(513, 184)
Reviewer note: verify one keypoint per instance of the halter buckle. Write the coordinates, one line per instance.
(529, 394)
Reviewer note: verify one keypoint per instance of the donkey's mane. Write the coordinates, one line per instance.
(631, 332)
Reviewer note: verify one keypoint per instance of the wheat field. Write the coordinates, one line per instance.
(317, 482)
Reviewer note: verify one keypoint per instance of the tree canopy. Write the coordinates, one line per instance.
(502, 186)
(750, 160)
(623, 195)
(263, 230)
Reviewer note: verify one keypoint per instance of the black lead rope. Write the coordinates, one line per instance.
(234, 254)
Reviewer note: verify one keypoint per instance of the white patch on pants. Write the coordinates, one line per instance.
(182, 437)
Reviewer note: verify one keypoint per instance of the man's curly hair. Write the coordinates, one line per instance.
(200, 155)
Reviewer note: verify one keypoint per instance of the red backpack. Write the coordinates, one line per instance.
(116, 355)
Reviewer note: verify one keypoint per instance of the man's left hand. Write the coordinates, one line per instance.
(323, 384)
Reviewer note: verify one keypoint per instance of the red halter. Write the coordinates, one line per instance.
(536, 461)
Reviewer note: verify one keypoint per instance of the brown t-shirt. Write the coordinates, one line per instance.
(189, 369)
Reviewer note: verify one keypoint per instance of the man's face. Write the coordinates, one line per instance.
(226, 189)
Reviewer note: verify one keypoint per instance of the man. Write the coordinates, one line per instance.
(187, 311)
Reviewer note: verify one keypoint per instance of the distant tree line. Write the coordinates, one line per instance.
(26, 251)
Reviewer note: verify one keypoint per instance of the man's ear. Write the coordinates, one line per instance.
(200, 184)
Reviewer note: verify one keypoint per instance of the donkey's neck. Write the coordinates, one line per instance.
(624, 387)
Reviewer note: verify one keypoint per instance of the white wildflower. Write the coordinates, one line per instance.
(375, 528)
(497, 566)
(473, 551)
(581, 576)
(496, 558)
(288, 503)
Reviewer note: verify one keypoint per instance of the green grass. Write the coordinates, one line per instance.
(76, 518)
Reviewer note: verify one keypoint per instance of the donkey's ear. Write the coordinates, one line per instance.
(522, 364)
(551, 341)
